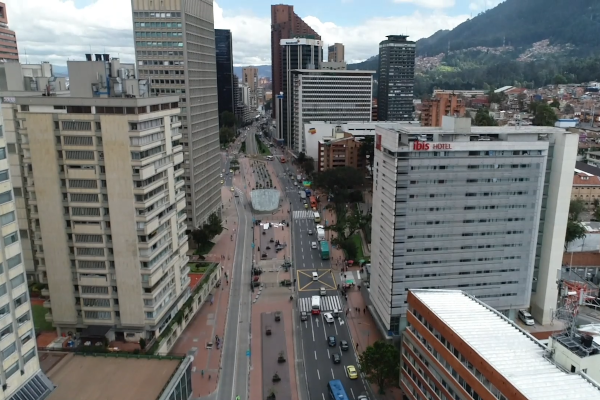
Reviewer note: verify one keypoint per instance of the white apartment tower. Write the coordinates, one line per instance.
(20, 374)
(329, 95)
(175, 51)
(479, 209)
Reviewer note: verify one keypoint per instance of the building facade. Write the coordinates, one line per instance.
(335, 53)
(242, 112)
(224, 49)
(325, 95)
(586, 187)
(396, 79)
(481, 209)
(440, 105)
(456, 347)
(340, 152)
(184, 63)
(285, 24)
(20, 372)
(336, 66)
(298, 53)
(8, 40)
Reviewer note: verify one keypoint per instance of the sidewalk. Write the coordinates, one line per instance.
(210, 319)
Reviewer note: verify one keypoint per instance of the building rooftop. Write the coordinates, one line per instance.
(106, 378)
(585, 179)
(590, 169)
(335, 71)
(510, 350)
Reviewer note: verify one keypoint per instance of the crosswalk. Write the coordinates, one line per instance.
(354, 276)
(304, 214)
(328, 303)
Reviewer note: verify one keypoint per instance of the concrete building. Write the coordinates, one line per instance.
(340, 152)
(160, 378)
(324, 95)
(242, 111)
(483, 209)
(31, 78)
(250, 79)
(8, 40)
(184, 64)
(298, 53)
(223, 44)
(586, 187)
(334, 66)
(20, 374)
(439, 105)
(285, 24)
(70, 157)
(374, 111)
(335, 53)
(456, 347)
(396, 79)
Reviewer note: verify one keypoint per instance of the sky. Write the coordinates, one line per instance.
(61, 30)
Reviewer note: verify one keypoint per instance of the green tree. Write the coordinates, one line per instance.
(555, 103)
(576, 207)
(575, 230)
(228, 119)
(308, 165)
(497, 98)
(213, 225)
(543, 114)
(200, 236)
(596, 214)
(483, 118)
(301, 158)
(559, 80)
(349, 220)
(226, 135)
(381, 364)
(367, 150)
(338, 181)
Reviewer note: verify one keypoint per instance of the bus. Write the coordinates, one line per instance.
(336, 390)
(317, 217)
(316, 305)
(313, 201)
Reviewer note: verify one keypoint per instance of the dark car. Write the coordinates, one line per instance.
(335, 357)
(344, 345)
(303, 316)
(331, 341)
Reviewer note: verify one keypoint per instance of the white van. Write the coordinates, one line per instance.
(269, 158)
(315, 276)
(526, 318)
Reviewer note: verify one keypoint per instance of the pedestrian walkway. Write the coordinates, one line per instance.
(350, 277)
(328, 303)
(304, 214)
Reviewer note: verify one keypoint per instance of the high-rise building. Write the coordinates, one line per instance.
(439, 105)
(101, 175)
(297, 53)
(20, 373)
(325, 95)
(285, 24)
(242, 112)
(250, 79)
(335, 53)
(223, 44)
(183, 62)
(482, 209)
(396, 79)
(456, 347)
(8, 40)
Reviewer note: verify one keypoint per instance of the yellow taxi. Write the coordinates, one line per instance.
(232, 189)
(222, 182)
(352, 374)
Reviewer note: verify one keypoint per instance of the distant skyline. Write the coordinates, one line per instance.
(58, 30)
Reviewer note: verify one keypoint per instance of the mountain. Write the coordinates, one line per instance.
(528, 43)
(263, 71)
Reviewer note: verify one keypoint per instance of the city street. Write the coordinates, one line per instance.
(319, 368)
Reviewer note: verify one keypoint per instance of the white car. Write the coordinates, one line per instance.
(328, 318)
(313, 245)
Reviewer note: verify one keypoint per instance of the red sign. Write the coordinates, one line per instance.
(424, 146)
(378, 142)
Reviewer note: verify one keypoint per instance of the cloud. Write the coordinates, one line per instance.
(481, 5)
(55, 30)
(429, 3)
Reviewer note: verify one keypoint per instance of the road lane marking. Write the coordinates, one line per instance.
(352, 391)
(336, 331)
(318, 374)
(315, 354)
(332, 375)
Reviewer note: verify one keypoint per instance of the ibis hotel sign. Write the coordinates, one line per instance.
(426, 146)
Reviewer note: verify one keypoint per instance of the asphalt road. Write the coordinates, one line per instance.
(235, 364)
(318, 367)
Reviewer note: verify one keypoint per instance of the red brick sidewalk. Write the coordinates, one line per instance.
(211, 318)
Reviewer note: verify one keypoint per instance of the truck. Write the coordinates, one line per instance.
(324, 250)
(320, 233)
(308, 192)
(299, 177)
(316, 305)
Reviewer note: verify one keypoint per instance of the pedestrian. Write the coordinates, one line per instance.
(356, 349)
(364, 310)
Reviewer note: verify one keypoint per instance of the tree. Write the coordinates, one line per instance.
(381, 364)
(337, 181)
(200, 236)
(559, 79)
(308, 165)
(301, 158)
(483, 118)
(575, 231)
(555, 103)
(349, 220)
(596, 213)
(228, 119)
(367, 150)
(544, 115)
(213, 225)
(576, 207)
(226, 135)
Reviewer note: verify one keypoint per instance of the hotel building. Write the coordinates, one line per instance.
(481, 209)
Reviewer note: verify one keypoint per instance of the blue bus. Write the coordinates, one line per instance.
(336, 390)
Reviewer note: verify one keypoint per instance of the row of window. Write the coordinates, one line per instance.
(463, 167)
(146, 14)
(158, 34)
(468, 247)
(165, 53)
(145, 72)
(158, 44)
(492, 207)
(466, 260)
(462, 273)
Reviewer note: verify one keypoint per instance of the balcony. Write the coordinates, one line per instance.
(47, 304)
(45, 292)
(49, 317)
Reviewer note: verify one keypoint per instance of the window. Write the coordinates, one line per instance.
(11, 238)
(2, 289)
(78, 141)
(28, 356)
(26, 337)
(6, 331)
(17, 281)
(80, 155)
(19, 301)
(4, 175)
(5, 197)
(76, 125)
(23, 318)
(8, 351)
(2, 153)
(14, 261)
(80, 184)
(94, 252)
(4, 310)
(12, 369)
(7, 218)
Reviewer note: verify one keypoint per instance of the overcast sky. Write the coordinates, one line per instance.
(58, 30)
